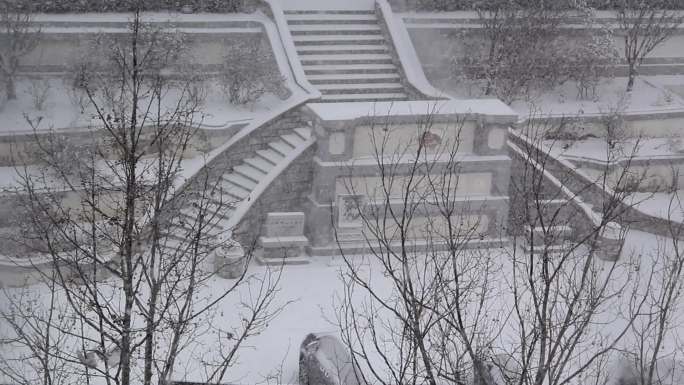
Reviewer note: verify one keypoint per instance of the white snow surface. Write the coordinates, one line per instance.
(313, 290)
(354, 110)
(61, 113)
(646, 97)
(660, 205)
(596, 149)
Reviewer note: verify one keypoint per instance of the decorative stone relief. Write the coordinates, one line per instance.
(349, 210)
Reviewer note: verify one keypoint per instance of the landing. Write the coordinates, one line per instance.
(328, 4)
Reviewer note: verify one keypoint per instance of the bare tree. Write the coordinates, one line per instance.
(423, 306)
(17, 39)
(653, 354)
(131, 255)
(645, 25)
(518, 49)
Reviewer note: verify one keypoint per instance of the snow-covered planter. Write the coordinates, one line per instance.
(229, 261)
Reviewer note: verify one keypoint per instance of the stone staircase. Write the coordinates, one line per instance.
(553, 240)
(236, 189)
(345, 55)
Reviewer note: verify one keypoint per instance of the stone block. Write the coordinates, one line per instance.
(283, 240)
(284, 224)
(229, 261)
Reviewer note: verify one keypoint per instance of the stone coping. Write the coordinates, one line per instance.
(489, 108)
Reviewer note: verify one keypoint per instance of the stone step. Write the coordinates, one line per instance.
(240, 181)
(329, 17)
(260, 163)
(350, 69)
(328, 12)
(338, 19)
(250, 172)
(343, 49)
(379, 88)
(551, 249)
(235, 193)
(364, 97)
(303, 132)
(310, 60)
(271, 155)
(319, 40)
(353, 78)
(332, 32)
(281, 147)
(293, 139)
(554, 235)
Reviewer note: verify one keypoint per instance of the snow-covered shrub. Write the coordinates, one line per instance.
(39, 90)
(249, 72)
(590, 55)
(63, 6)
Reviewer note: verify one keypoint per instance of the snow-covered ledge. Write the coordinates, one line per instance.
(407, 52)
(290, 51)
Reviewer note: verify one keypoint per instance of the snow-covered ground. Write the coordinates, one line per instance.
(661, 205)
(62, 109)
(313, 289)
(647, 96)
(597, 149)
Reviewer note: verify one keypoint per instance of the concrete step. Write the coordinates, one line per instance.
(250, 172)
(330, 17)
(337, 19)
(350, 69)
(309, 60)
(271, 155)
(368, 32)
(260, 163)
(234, 193)
(293, 140)
(354, 78)
(551, 249)
(342, 49)
(554, 235)
(281, 147)
(379, 88)
(328, 12)
(240, 181)
(225, 213)
(364, 97)
(303, 132)
(319, 40)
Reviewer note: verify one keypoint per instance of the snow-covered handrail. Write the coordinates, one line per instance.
(407, 52)
(289, 49)
(586, 208)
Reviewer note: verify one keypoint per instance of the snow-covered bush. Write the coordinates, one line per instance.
(39, 90)
(64, 6)
(249, 72)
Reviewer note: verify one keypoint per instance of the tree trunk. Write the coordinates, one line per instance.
(632, 77)
(11, 88)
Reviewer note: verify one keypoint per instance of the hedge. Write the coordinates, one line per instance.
(79, 6)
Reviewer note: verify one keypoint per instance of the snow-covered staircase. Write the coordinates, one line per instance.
(550, 240)
(344, 54)
(237, 189)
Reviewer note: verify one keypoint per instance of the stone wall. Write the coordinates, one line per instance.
(57, 52)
